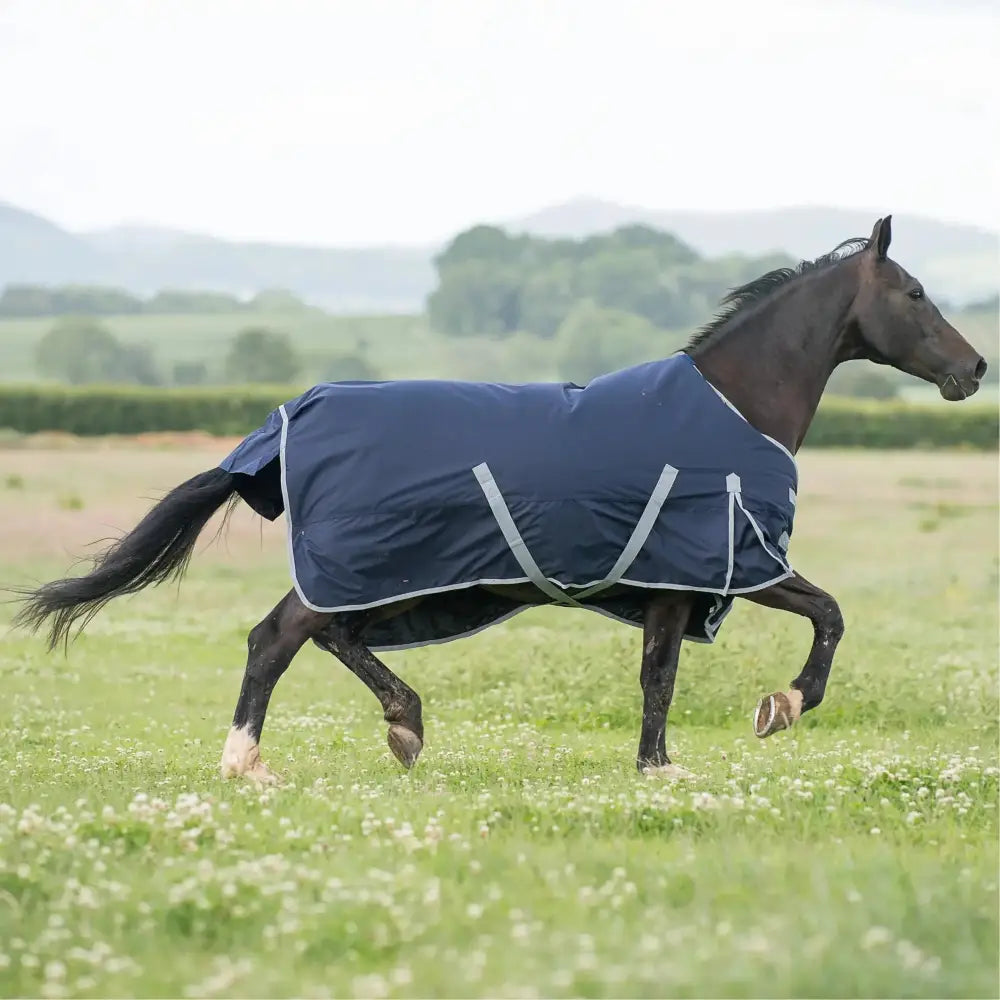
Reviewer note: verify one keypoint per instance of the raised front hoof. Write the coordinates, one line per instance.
(775, 712)
(404, 744)
(671, 772)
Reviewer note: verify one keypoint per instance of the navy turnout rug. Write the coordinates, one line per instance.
(645, 478)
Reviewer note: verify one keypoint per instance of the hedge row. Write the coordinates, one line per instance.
(128, 410)
(120, 410)
(854, 423)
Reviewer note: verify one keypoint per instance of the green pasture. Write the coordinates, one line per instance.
(856, 855)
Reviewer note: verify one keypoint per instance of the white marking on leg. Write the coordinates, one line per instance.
(240, 752)
(794, 697)
(241, 757)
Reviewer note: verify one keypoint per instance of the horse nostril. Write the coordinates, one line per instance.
(980, 369)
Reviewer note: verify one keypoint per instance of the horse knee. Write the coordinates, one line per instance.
(830, 622)
(261, 635)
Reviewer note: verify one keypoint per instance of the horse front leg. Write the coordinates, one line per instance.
(783, 708)
(663, 631)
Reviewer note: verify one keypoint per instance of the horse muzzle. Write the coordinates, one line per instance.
(956, 386)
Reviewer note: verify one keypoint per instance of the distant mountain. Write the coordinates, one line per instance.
(34, 249)
(144, 260)
(958, 262)
(142, 239)
(365, 279)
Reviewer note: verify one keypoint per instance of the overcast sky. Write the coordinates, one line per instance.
(365, 121)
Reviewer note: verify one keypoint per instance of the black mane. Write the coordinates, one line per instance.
(753, 291)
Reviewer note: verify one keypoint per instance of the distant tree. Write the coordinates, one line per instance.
(862, 380)
(94, 300)
(593, 341)
(492, 282)
(480, 243)
(354, 367)
(258, 354)
(990, 304)
(476, 297)
(137, 363)
(668, 250)
(182, 301)
(80, 300)
(189, 373)
(26, 300)
(79, 350)
(277, 300)
(547, 297)
(621, 279)
(82, 350)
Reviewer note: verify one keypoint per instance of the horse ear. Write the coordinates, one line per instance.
(881, 237)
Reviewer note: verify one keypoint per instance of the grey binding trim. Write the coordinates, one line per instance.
(767, 437)
(760, 535)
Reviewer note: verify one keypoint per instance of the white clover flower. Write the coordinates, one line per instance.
(875, 937)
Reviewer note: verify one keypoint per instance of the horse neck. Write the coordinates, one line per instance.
(773, 361)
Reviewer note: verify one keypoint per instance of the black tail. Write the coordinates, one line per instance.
(158, 548)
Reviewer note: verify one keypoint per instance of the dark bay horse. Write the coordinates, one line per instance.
(769, 354)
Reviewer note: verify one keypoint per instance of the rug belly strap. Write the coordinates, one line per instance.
(519, 549)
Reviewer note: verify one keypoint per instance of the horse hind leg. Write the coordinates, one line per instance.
(401, 706)
(271, 646)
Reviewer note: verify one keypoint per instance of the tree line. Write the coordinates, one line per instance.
(607, 300)
(494, 282)
(81, 350)
(26, 301)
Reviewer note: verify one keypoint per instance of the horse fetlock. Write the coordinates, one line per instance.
(777, 711)
(406, 714)
(405, 745)
(241, 758)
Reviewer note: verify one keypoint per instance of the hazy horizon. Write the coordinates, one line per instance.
(401, 122)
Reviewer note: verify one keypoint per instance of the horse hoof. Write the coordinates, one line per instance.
(405, 745)
(257, 772)
(241, 759)
(670, 771)
(775, 712)
(261, 774)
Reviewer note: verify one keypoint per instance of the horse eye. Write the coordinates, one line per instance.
(916, 293)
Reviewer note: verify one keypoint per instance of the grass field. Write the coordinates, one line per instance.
(856, 855)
